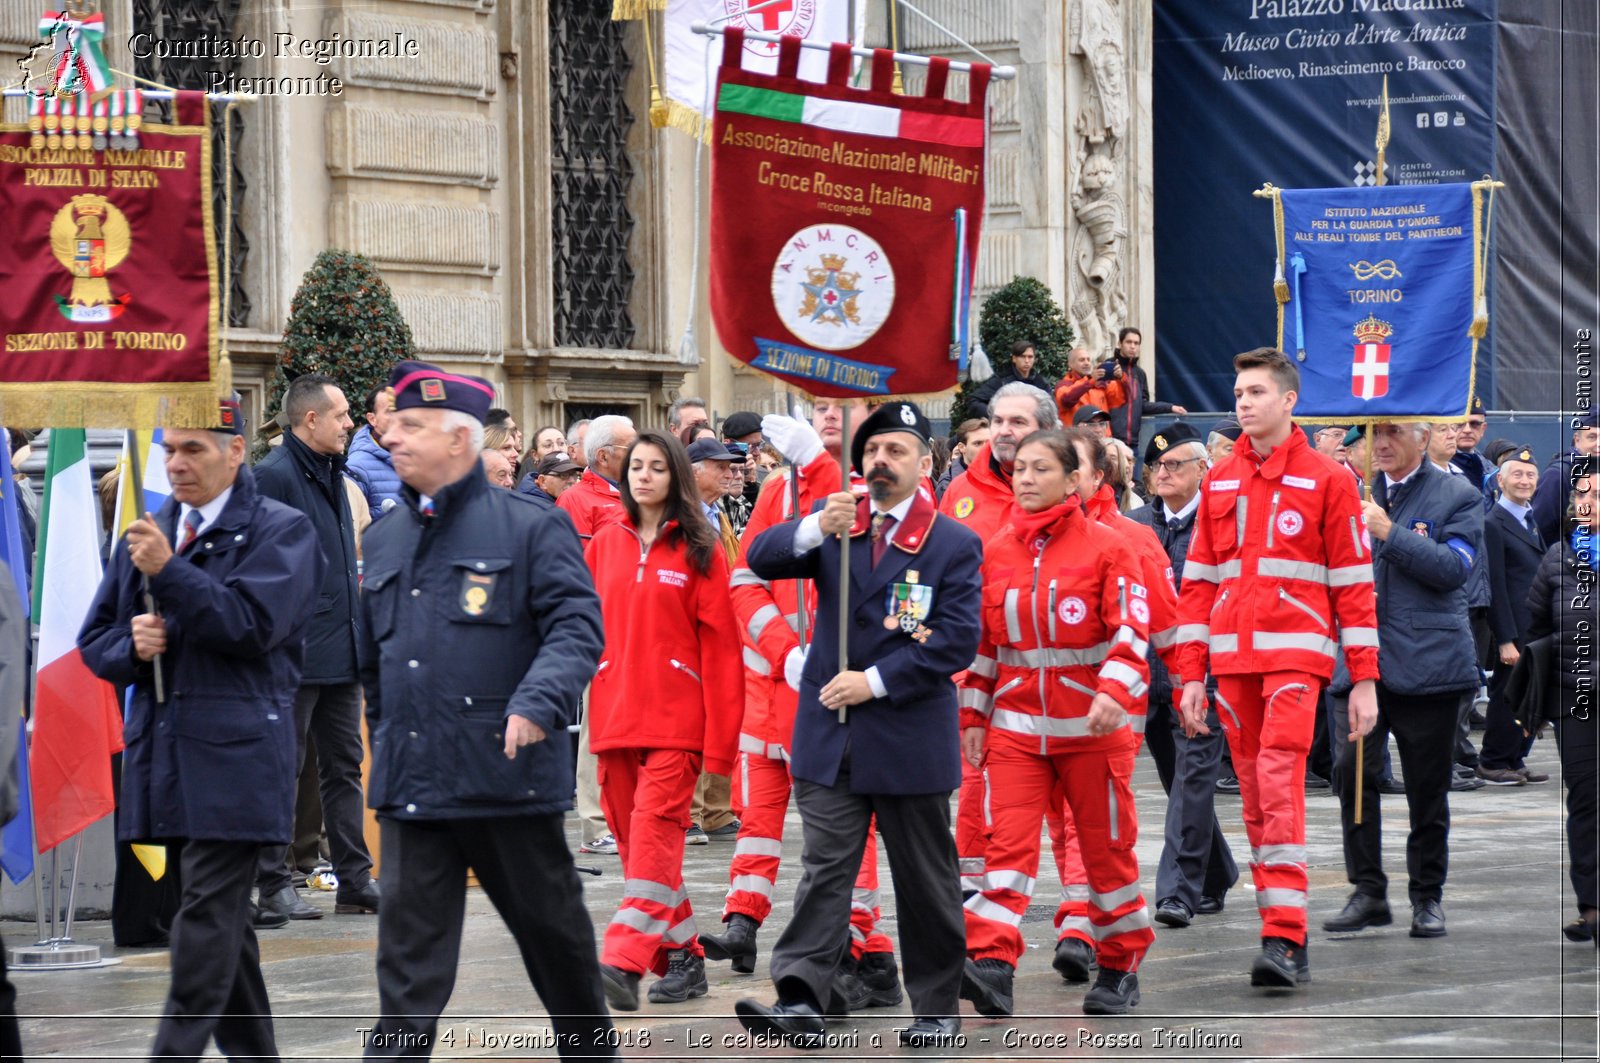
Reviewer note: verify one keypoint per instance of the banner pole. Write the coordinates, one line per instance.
(795, 514)
(136, 485)
(998, 73)
(844, 551)
(72, 890)
(1361, 739)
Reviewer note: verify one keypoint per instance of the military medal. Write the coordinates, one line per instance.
(907, 607)
(476, 590)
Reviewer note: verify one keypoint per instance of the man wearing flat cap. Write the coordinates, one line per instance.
(203, 613)
(481, 627)
(914, 589)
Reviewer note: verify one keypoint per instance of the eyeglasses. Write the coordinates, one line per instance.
(1475, 424)
(1172, 465)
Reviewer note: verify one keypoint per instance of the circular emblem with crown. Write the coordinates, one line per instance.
(832, 286)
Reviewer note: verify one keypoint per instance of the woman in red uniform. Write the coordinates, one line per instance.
(665, 701)
(1062, 664)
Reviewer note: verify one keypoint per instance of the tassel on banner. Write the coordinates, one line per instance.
(625, 10)
(65, 405)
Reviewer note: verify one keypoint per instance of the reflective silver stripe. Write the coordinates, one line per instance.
(1122, 598)
(641, 921)
(1015, 881)
(744, 577)
(974, 699)
(1231, 569)
(645, 890)
(1280, 898)
(1224, 643)
(1080, 923)
(970, 865)
(1355, 536)
(756, 663)
(1136, 722)
(1126, 634)
(1077, 891)
(684, 931)
(1052, 657)
(984, 908)
(1138, 919)
(857, 934)
(1193, 570)
(1240, 509)
(1283, 568)
(1349, 575)
(1110, 902)
(764, 616)
(972, 883)
(1126, 675)
(1193, 633)
(1358, 636)
(1111, 807)
(1164, 638)
(757, 846)
(1284, 640)
(758, 884)
(1222, 703)
(751, 744)
(984, 666)
(1079, 687)
(1293, 855)
(864, 900)
(1054, 727)
(1013, 621)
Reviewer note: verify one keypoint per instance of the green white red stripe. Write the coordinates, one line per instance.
(77, 724)
(849, 116)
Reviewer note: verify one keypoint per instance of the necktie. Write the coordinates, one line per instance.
(191, 528)
(882, 525)
(1533, 526)
(426, 509)
(730, 541)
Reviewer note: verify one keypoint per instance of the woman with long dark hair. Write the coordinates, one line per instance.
(1562, 602)
(665, 702)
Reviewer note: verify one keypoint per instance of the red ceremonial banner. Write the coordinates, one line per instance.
(844, 224)
(110, 315)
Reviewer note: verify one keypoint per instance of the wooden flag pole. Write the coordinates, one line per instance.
(844, 550)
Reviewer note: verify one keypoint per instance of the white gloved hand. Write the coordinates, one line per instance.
(796, 440)
(793, 665)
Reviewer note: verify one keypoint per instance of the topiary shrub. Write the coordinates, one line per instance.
(1021, 310)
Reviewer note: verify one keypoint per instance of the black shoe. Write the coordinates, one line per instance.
(1501, 776)
(362, 900)
(287, 903)
(930, 1033)
(1282, 964)
(1528, 775)
(987, 983)
(1315, 781)
(685, 979)
(1392, 785)
(622, 987)
(797, 1023)
(1476, 721)
(1580, 929)
(737, 943)
(1074, 959)
(1210, 905)
(266, 920)
(1360, 911)
(1427, 920)
(876, 983)
(1113, 993)
(1460, 783)
(1174, 913)
(1228, 784)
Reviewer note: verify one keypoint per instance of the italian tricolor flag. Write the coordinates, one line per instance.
(850, 116)
(76, 722)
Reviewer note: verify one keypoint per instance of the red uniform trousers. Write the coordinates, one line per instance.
(1072, 918)
(972, 825)
(645, 794)
(1022, 786)
(761, 789)
(1269, 721)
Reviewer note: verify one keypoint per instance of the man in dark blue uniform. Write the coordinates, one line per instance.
(209, 769)
(480, 628)
(914, 592)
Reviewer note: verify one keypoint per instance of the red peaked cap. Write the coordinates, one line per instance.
(418, 384)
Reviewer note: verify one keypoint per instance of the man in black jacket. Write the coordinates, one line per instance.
(1023, 359)
(1126, 419)
(307, 473)
(480, 628)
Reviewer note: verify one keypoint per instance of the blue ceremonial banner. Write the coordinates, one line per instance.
(16, 839)
(1381, 300)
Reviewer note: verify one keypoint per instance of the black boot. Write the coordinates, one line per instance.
(1074, 959)
(684, 980)
(987, 983)
(737, 943)
(877, 982)
(1113, 993)
(1281, 965)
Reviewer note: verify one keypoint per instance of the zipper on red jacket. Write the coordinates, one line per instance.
(1284, 595)
(1044, 700)
(1272, 519)
(680, 666)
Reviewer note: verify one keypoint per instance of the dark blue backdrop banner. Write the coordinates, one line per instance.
(1380, 300)
(1287, 92)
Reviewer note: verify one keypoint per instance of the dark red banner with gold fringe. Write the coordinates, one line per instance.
(109, 317)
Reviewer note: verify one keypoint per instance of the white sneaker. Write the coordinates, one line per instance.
(606, 846)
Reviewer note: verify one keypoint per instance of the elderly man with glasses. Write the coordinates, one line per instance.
(1197, 868)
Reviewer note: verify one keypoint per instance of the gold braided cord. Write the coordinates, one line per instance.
(1382, 140)
(222, 362)
(631, 9)
(658, 104)
(1280, 287)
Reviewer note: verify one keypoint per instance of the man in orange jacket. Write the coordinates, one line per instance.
(1280, 561)
(981, 499)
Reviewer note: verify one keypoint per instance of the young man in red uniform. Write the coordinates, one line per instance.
(1279, 567)
(981, 499)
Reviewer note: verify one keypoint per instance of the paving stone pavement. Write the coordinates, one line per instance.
(1503, 985)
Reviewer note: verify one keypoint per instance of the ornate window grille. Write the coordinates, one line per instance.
(192, 20)
(590, 172)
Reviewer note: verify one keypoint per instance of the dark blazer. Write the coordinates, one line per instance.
(482, 611)
(312, 483)
(909, 741)
(1512, 553)
(217, 760)
(1561, 602)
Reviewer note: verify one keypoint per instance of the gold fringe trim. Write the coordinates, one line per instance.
(630, 9)
(136, 406)
(684, 119)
